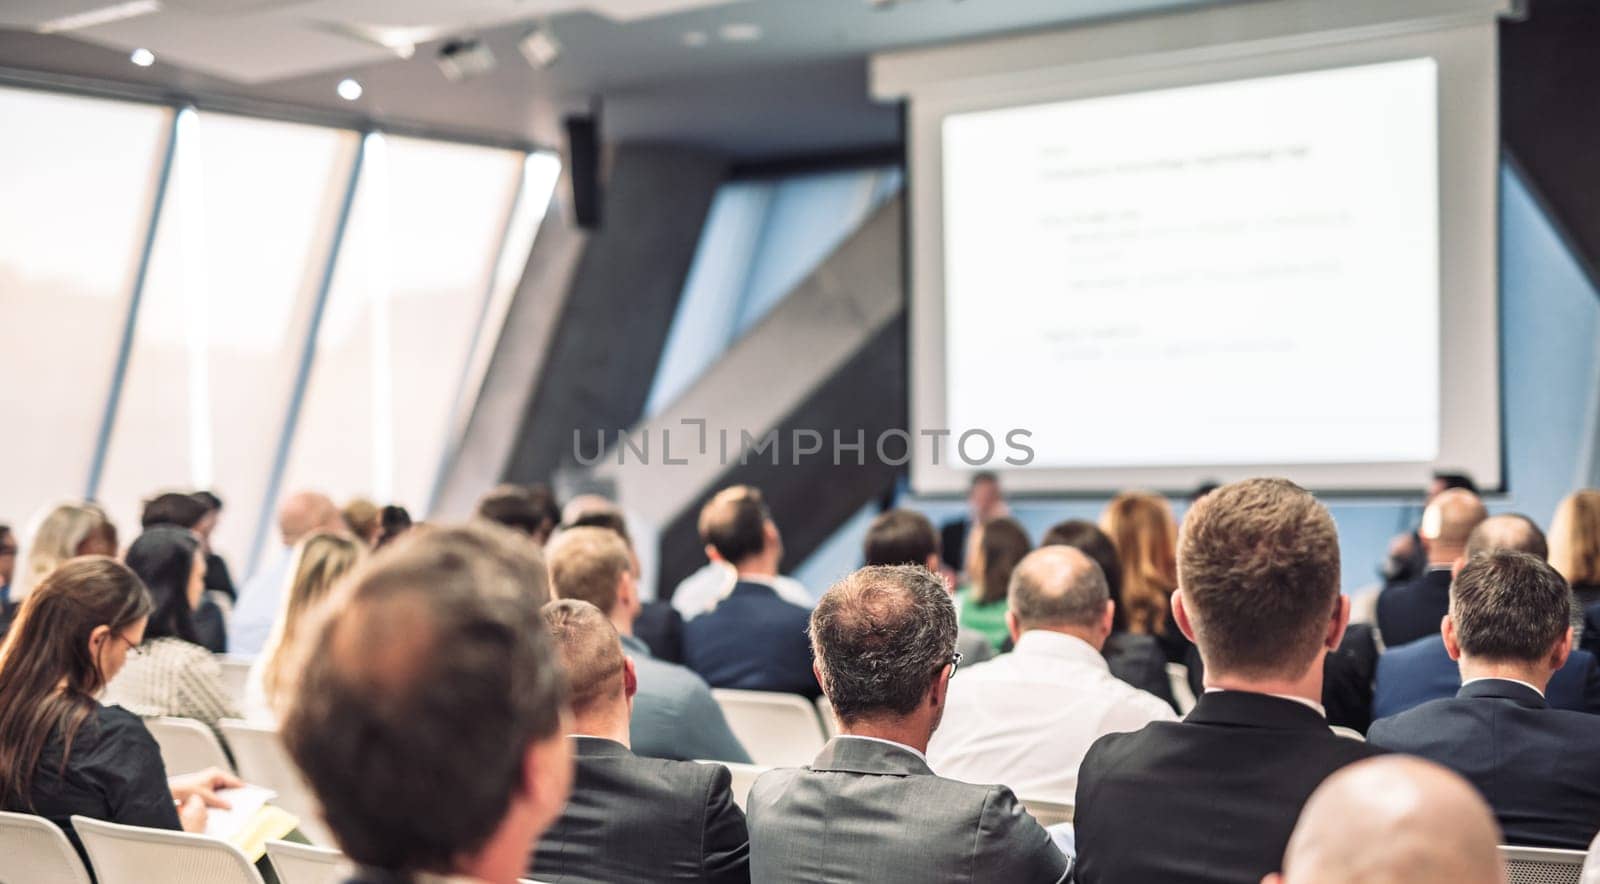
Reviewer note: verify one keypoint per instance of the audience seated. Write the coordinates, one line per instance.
(532, 511)
(1027, 718)
(1409, 611)
(1510, 627)
(1575, 552)
(64, 531)
(427, 717)
(218, 577)
(703, 590)
(658, 624)
(674, 714)
(171, 673)
(319, 562)
(1406, 559)
(630, 818)
(1213, 798)
(906, 537)
(187, 512)
(1138, 660)
(393, 521)
(996, 547)
(1141, 527)
(1413, 674)
(753, 639)
(985, 501)
(63, 753)
(869, 809)
(1393, 820)
(299, 516)
(363, 519)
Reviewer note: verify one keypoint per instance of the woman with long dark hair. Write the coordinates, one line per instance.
(172, 674)
(61, 751)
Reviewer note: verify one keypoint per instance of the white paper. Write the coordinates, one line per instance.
(246, 801)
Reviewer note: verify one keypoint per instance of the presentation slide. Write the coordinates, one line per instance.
(1241, 272)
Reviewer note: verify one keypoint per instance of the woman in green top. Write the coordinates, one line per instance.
(997, 546)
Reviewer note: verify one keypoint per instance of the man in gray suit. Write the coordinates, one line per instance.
(869, 809)
(631, 820)
(674, 714)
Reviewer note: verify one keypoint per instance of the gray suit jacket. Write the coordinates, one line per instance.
(873, 812)
(674, 714)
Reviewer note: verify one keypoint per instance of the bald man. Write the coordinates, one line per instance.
(1394, 820)
(1025, 719)
(1412, 610)
(301, 515)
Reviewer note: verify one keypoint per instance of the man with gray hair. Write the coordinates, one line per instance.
(869, 809)
(1026, 718)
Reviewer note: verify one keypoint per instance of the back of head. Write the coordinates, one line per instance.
(49, 676)
(587, 564)
(1448, 521)
(517, 508)
(734, 523)
(173, 508)
(304, 512)
(320, 561)
(420, 693)
(1509, 607)
(582, 505)
(1058, 586)
(901, 537)
(57, 536)
(1001, 545)
(1258, 563)
(610, 519)
(1087, 538)
(1509, 531)
(590, 654)
(1575, 537)
(881, 636)
(361, 516)
(1141, 526)
(164, 558)
(1394, 820)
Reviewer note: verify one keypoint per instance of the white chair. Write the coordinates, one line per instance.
(299, 864)
(830, 722)
(1048, 813)
(36, 852)
(1347, 732)
(132, 855)
(744, 776)
(235, 677)
(264, 762)
(1542, 865)
(779, 730)
(187, 745)
(1178, 679)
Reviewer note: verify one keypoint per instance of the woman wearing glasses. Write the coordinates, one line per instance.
(62, 752)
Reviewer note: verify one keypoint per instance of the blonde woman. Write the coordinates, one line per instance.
(1575, 552)
(65, 531)
(1141, 526)
(319, 561)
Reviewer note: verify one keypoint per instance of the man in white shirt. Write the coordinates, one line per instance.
(1026, 718)
(261, 600)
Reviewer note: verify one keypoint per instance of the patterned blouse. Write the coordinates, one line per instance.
(169, 676)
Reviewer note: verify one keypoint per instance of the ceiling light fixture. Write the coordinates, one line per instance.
(101, 16)
(740, 32)
(464, 59)
(540, 47)
(143, 57)
(349, 89)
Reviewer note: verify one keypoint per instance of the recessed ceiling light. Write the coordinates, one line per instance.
(540, 46)
(349, 89)
(696, 39)
(143, 57)
(739, 32)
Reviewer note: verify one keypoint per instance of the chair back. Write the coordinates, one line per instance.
(36, 852)
(133, 855)
(1542, 865)
(303, 864)
(235, 677)
(187, 745)
(744, 776)
(778, 730)
(1048, 813)
(263, 761)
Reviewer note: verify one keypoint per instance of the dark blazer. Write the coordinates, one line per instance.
(1409, 611)
(1413, 674)
(953, 542)
(660, 627)
(634, 819)
(752, 640)
(1535, 765)
(1347, 675)
(872, 812)
(1588, 596)
(1206, 800)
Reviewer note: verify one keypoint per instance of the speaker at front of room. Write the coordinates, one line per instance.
(583, 167)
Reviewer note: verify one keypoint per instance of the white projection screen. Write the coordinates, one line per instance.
(1167, 259)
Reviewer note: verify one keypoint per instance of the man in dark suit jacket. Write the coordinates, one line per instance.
(752, 640)
(630, 819)
(1510, 628)
(869, 809)
(1412, 610)
(1213, 798)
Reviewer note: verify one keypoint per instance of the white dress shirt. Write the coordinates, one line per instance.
(1026, 719)
(707, 587)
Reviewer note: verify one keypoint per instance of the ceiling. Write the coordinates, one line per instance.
(755, 79)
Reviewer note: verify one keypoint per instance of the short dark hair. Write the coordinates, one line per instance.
(1512, 531)
(880, 637)
(514, 507)
(1450, 479)
(1087, 538)
(611, 520)
(209, 500)
(429, 673)
(983, 476)
(734, 522)
(1258, 564)
(901, 537)
(1509, 606)
(173, 508)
